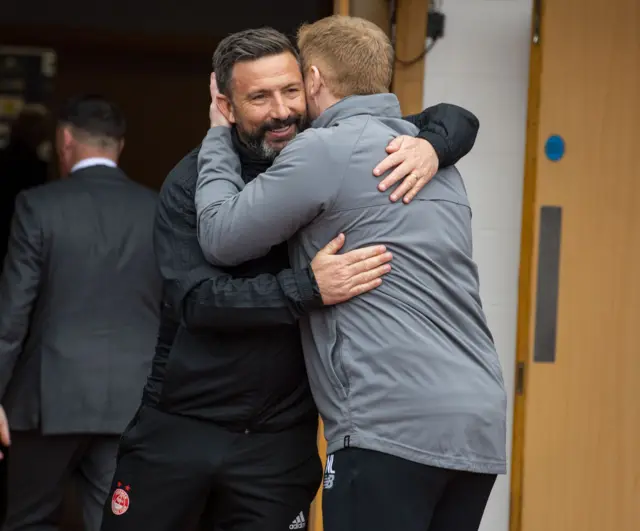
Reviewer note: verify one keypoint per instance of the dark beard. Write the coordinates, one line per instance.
(257, 142)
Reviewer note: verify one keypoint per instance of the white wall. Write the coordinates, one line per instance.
(482, 64)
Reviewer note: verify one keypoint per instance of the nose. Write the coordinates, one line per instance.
(279, 109)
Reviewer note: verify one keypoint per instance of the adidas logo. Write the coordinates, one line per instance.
(299, 522)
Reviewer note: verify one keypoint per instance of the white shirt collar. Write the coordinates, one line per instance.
(93, 161)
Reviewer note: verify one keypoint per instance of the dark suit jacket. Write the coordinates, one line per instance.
(79, 304)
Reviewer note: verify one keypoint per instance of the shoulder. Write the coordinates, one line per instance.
(44, 194)
(141, 192)
(447, 184)
(317, 148)
(181, 180)
(34, 203)
(310, 141)
(337, 143)
(176, 200)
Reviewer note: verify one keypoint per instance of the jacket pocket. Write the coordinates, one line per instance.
(127, 436)
(337, 369)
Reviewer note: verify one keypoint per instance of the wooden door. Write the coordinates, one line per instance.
(577, 429)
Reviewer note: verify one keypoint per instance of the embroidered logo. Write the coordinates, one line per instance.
(120, 499)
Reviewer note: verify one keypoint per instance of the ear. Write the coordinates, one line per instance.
(120, 147)
(315, 80)
(67, 137)
(225, 107)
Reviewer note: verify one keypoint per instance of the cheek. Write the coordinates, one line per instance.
(298, 104)
(251, 117)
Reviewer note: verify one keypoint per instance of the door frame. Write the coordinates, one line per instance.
(526, 270)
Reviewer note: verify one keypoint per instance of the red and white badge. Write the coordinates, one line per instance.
(120, 500)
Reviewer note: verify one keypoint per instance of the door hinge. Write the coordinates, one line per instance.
(520, 378)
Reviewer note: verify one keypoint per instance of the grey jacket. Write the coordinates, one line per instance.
(79, 304)
(410, 368)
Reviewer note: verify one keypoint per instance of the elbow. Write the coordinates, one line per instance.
(210, 250)
(214, 251)
(472, 121)
(208, 238)
(215, 257)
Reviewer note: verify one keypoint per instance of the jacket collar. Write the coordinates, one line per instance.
(381, 105)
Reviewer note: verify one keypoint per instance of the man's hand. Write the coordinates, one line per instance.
(216, 118)
(343, 276)
(5, 438)
(415, 162)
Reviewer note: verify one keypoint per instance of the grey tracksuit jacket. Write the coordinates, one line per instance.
(410, 368)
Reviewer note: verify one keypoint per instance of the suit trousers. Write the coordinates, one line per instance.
(39, 469)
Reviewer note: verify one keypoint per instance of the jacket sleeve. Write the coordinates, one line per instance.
(203, 296)
(19, 284)
(450, 129)
(237, 223)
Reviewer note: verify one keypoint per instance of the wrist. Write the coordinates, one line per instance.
(438, 143)
(310, 290)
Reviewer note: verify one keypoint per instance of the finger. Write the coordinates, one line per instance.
(5, 437)
(391, 161)
(395, 144)
(420, 184)
(401, 172)
(404, 187)
(363, 288)
(213, 85)
(368, 276)
(334, 245)
(359, 255)
(370, 263)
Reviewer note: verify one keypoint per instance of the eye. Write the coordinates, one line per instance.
(258, 98)
(293, 90)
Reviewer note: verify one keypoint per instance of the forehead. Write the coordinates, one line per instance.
(268, 73)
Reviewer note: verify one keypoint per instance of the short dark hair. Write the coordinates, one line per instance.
(247, 45)
(94, 117)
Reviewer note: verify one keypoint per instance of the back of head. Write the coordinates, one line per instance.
(247, 45)
(354, 55)
(89, 126)
(94, 120)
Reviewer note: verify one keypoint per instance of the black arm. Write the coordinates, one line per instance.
(450, 129)
(204, 296)
(19, 283)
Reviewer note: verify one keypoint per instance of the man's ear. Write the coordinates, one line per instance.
(67, 137)
(315, 80)
(225, 107)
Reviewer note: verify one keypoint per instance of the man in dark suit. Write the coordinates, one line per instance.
(79, 314)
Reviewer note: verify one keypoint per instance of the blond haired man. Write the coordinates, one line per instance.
(406, 377)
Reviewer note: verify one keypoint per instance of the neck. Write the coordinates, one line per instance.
(90, 153)
(324, 100)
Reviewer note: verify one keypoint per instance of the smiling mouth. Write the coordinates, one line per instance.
(282, 133)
